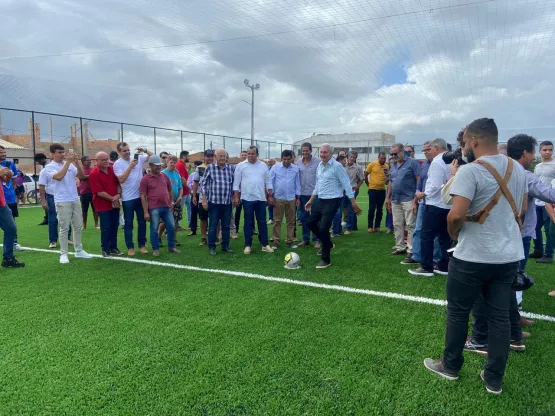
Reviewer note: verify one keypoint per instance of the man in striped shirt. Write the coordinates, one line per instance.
(216, 196)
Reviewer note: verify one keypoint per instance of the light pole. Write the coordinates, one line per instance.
(252, 88)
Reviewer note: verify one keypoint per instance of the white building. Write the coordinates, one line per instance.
(368, 145)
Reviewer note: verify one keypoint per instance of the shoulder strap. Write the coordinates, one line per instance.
(503, 190)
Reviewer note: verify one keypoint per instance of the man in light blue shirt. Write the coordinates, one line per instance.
(332, 181)
(286, 183)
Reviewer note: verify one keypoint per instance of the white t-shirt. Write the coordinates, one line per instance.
(130, 188)
(66, 189)
(546, 172)
(498, 239)
(47, 182)
(252, 180)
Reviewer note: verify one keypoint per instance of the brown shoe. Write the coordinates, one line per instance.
(526, 335)
(377, 230)
(234, 236)
(203, 242)
(143, 250)
(317, 244)
(526, 322)
(174, 250)
(192, 233)
(156, 253)
(552, 293)
(131, 252)
(370, 230)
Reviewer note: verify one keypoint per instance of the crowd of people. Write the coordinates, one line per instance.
(470, 215)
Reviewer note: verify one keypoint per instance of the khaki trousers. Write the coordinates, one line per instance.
(70, 213)
(288, 208)
(402, 214)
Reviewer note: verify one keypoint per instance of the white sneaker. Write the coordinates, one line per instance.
(82, 254)
(247, 250)
(64, 259)
(270, 222)
(268, 249)
(17, 247)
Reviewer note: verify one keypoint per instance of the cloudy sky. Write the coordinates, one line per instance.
(417, 69)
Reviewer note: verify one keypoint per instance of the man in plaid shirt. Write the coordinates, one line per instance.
(216, 196)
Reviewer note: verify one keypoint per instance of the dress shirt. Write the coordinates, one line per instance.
(286, 182)
(332, 180)
(308, 175)
(537, 190)
(402, 180)
(216, 184)
(421, 185)
(355, 173)
(438, 175)
(252, 180)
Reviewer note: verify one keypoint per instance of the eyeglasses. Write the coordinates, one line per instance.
(164, 157)
(425, 150)
(393, 154)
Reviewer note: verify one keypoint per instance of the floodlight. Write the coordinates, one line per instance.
(247, 82)
(257, 86)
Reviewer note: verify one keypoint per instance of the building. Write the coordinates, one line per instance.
(368, 145)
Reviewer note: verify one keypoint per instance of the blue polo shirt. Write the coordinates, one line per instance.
(403, 180)
(9, 191)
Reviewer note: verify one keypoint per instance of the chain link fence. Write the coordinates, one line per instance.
(26, 133)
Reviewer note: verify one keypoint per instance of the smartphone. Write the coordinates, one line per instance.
(385, 171)
(136, 157)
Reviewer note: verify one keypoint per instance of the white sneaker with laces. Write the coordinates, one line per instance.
(267, 249)
(82, 254)
(64, 259)
(247, 250)
(17, 247)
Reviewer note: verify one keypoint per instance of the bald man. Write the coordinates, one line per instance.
(106, 191)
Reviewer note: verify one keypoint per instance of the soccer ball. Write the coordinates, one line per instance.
(292, 261)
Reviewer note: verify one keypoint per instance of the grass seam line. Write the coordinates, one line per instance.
(368, 292)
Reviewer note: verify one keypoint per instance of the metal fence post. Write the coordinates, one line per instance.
(82, 142)
(281, 144)
(34, 153)
(181, 140)
(224, 141)
(154, 139)
(121, 138)
(203, 142)
(241, 149)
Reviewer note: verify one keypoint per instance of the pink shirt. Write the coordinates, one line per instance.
(157, 190)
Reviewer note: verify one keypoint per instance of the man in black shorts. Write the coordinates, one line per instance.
(85, 194)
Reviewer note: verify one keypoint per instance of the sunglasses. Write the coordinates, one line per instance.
(393, 154)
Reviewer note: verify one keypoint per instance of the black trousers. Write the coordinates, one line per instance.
(109, 222)
(465, 282)
(320, 221)
(376, 200)
(434, 224)
(193, 225)
(480, 315)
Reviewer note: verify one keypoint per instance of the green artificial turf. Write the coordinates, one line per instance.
(112, 337)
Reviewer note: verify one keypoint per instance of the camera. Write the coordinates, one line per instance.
(456, 154)
(522, 281)
(136, 157)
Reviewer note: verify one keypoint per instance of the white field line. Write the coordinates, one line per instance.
(391, 295)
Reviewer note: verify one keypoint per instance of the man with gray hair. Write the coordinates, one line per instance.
(404, 174)
(434, 222)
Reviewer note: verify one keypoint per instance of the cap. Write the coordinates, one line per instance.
(208, 152)
(155, 160)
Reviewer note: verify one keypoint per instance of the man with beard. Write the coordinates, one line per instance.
(85, 193)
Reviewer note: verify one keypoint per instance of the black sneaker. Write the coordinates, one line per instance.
(319, 252)
(473, 346)
(409, 260)
(12, 262)
(490, 388)
(116, 252)
(517, 346)
(212, 251)
(545, 260)
(421, 272)
(436, 366)
(535, 255)
(323, 264)
(399, 252)
(105, 254)
(44, 222)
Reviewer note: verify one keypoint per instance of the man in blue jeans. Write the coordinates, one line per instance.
(129, 171)
(252, 182)
(216, 195)
(158, 204)
(46, 190)
(308, 166)
(7, 224)
(356, 176)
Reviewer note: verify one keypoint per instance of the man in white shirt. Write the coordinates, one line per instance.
(546, 172)
(252, 181)
(68, 206)
(488, 252)
(434, 223)
(129, 171)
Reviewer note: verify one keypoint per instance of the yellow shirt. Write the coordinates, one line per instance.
(377, 175)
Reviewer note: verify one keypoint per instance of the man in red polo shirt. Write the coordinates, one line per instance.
(106, 192)
(181, 167)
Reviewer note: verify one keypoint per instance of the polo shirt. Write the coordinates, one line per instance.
(65, 189)
(307, 172)
(252, 180)
(47, 182)
(355, 173)
(403, 180)
(101, 181)
(182, 169)
(130, 188)
(376, 175)
(157, 190)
